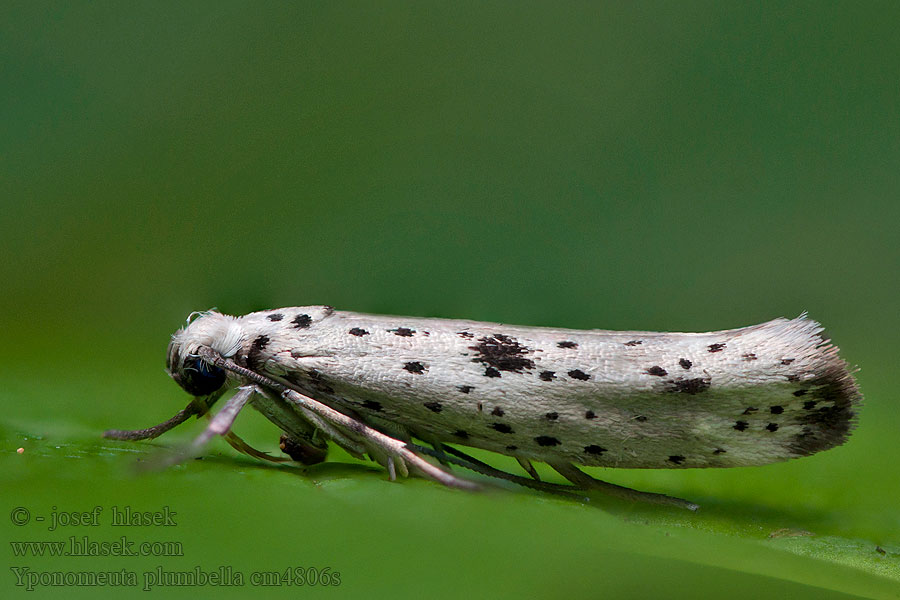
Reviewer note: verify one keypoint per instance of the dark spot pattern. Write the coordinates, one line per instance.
(512, 447)
(773, 427)
(546, 440)
(501, 427)
(594, 449)
(465, 334)
(403, 331)
(567, 344)
(547, 375)
(552, 416)
(749, 356)
(461, 434)
(741, 425)
(465, 389)
(302, 321)
(497, 412)
(579, 375)
(689, 386)
(433, 406)
(810, 404)
(415, 367)
(685, 363)
(634, 343)
(749, 410)
(358, 332)
(275, 317)
(656, 371)
(256, 348)
(676, 459)
(640, 418)
(776, 410)
(491, 372)
(787, 361)
(480, 406)
(799, 393)
(372, 405)
(590, 415)
(717, 347)
(719, 451)
(793, 377)
(502, 353)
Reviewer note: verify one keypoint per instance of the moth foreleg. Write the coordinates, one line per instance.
(220, 424)
(585, 481)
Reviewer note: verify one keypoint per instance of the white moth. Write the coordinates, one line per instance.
(373, 384)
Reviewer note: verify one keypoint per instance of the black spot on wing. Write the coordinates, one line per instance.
(547, 375)
(719, 451)
(551, 416)
(465, 389)
(787, 361)
(590, 415)
(491, 372)
(689, 386)
(461, 434)
(717, 347)
(546, 440)
(741, 425)
(579, 375)
(749, 356)
(676, 459)
(512, 447)
(275, 317)
(773, 427)
(497, 412)
(776, 410)
(594, 449)
(567, 344)
(656, 371)
(634, 343)
(465, 334)
(415, 367)
(685, 363)
(501, 427)
(502, 353)
(358, 332)
(301, 321)
(372, 405)
(749, 410)
(433, 406)
(799, 393)
(254, 354)
(403, 331)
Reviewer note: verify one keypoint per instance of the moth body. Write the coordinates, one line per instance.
(739, 397)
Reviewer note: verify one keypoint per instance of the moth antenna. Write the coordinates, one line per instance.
(157, 430)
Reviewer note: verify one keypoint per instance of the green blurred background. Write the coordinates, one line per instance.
(654, 165)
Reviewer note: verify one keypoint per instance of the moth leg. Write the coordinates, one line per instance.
(220, 424)
(462, 459)
(585, 481)
(235, 441)
(529, 468)
(369, 435)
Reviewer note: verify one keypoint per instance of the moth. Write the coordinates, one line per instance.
(386, 386)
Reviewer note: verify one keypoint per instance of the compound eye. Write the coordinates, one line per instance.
(199, 378)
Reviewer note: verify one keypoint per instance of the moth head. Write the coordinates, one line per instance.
(183, 363)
